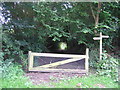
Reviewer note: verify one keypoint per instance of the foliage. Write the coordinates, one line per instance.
(28, 26)
(61, 23)
(68, 20)
(11, 49)
(12, 77)
(108, 66)
(10, 70)
(94, 58)
(22, 25)
(109, 23)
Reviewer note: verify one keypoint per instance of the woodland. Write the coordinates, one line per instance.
(42, 26)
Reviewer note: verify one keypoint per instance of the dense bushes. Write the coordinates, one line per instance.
(12, 76)
(11, 49)
(94, 57)
(10, 70)
(108, 66)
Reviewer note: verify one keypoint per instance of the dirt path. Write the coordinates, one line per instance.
(38, 78)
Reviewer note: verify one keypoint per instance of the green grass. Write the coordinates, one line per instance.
(19, 82)
(86, 82)
(13, 78)
(91, 81)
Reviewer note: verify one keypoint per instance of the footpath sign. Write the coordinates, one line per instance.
(100, 38)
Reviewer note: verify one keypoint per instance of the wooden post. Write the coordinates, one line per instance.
(86, 60)
(100, 45)
(100, 38)
(30, 56)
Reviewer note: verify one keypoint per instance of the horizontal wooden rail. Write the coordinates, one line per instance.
(58, 70)
(58, 55)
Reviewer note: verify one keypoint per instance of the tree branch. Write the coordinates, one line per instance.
(98, 12)
(93, 14)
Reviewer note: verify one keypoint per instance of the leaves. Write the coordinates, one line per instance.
(108, 66)
(30, 25)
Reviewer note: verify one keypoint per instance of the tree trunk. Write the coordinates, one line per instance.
(96, 17)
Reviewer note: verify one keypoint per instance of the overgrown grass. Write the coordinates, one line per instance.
(91, 81)
(12, 77)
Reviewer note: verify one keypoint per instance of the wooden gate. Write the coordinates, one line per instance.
(47, 67)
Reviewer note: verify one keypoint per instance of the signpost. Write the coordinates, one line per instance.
(100, 38)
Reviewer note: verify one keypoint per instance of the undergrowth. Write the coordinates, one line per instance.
(108, 66)
(13, 77)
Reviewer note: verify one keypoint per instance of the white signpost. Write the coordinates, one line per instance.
(100, 38)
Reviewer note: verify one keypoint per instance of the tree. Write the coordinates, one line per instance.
(29, 26)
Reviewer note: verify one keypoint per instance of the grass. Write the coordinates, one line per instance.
(20, 82)
(91, 81)
(13, 78)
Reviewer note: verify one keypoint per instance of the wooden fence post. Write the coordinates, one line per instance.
(86, 60)
(30, 56)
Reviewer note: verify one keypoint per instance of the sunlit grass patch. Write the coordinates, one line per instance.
(18, 82)
(91, 81)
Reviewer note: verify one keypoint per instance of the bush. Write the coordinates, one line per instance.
(11, 50)
(108, 66)
(94, 58)
(10, 70)
(12, 76)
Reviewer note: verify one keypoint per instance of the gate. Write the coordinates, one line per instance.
(48, 67)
